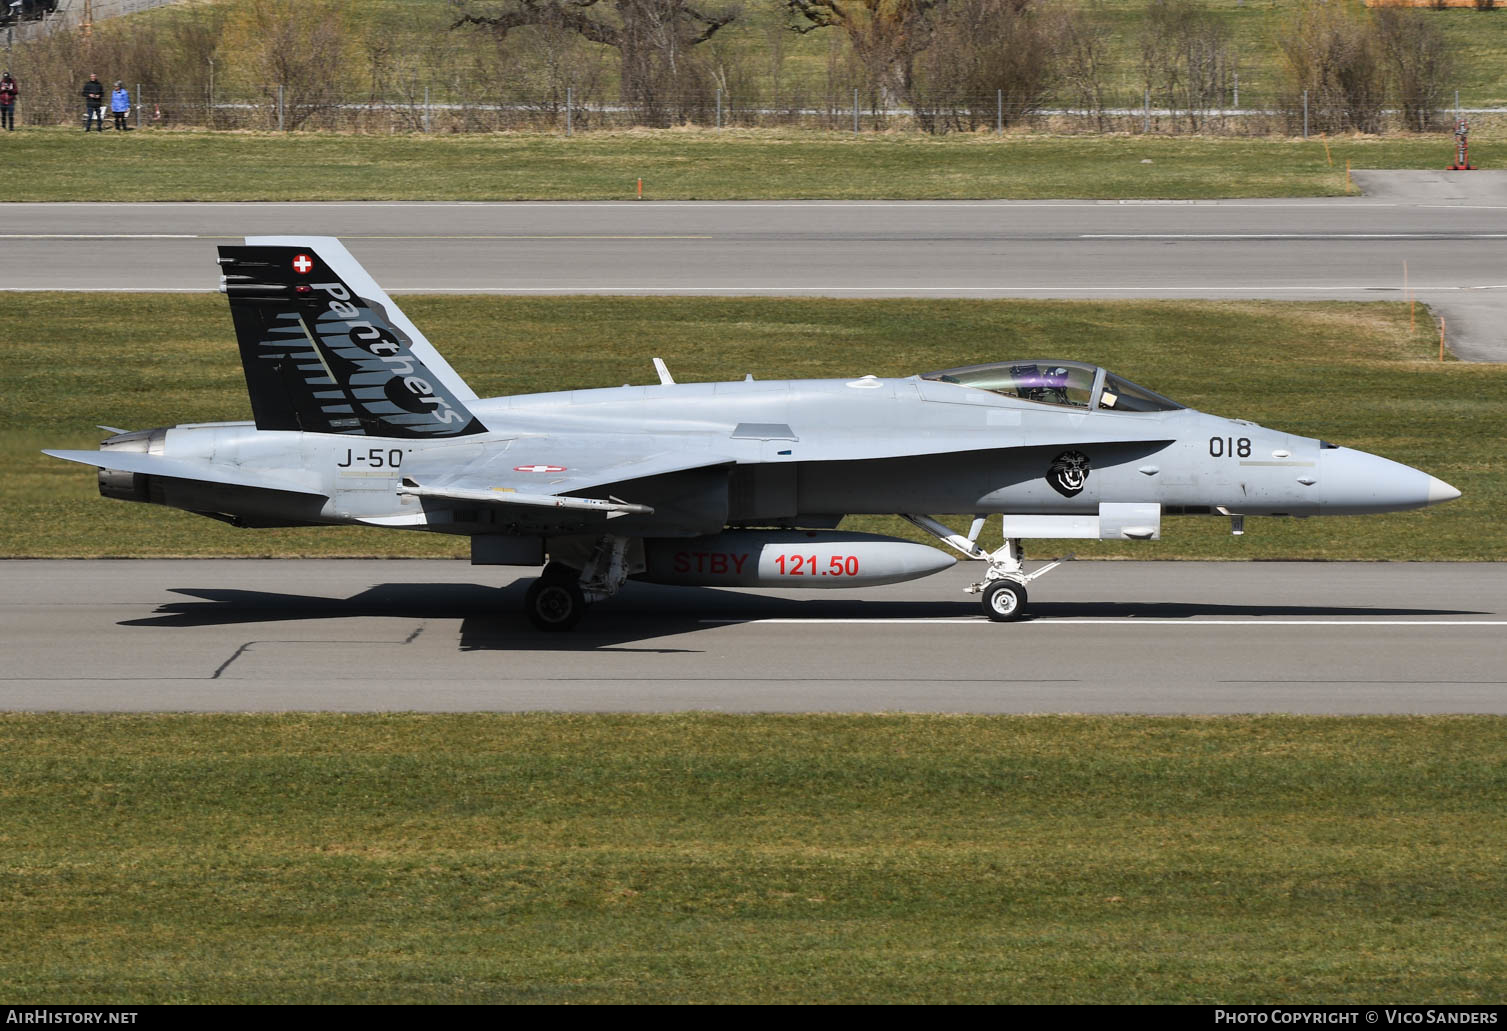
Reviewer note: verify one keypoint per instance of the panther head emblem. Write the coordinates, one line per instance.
(1068, 473)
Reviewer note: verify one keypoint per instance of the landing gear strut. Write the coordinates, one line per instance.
(1003, 588)
(557, 600)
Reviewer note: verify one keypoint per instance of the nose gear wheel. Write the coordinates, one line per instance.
(1004, 601)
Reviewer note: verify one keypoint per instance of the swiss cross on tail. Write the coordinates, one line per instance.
(323, 358)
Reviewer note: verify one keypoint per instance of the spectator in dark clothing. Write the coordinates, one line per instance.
(120, 105)
(94, 103)
(8, 92)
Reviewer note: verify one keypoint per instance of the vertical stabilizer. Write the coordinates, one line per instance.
(325, 350)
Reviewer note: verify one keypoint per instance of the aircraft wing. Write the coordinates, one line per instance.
(546, 471)
(204, 472)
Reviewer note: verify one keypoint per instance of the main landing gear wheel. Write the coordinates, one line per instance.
(554, 601)
(1005, 601)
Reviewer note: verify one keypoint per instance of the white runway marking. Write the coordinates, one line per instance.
(1126, 621)
(1287, 202)
(1292, 236)
(907, 290)
(99, 236)
(109, 289)
(359, 236)
(1254, 291)
(1171, 292)
(531, 236)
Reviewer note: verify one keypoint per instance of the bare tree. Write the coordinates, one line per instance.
(298, 47)
(1186, 58)
(988, 60)
(1416, 51)
(194, 33)
(653, 38)
(885, 36)
(539, 70)
(1332, 54)
(1085, 60)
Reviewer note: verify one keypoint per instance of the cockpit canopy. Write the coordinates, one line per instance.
(1073, 384)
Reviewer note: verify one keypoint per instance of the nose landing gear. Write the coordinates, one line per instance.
(1003, 589)
(1004, 601)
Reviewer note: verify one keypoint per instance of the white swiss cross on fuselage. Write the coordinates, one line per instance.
(302, 264)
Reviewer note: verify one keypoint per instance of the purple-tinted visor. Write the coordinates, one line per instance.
(1035, 376)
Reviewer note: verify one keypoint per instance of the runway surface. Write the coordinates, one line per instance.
(1107, 637)
(242, 635)
(1452, 233)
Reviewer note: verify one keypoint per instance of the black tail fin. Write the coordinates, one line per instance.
(326, 351)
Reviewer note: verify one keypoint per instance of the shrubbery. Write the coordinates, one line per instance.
(941, 65)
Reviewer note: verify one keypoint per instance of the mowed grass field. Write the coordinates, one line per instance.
(1351, 373)
(696, 164)
(753, 859)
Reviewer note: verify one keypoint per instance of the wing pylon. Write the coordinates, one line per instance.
(612, 508)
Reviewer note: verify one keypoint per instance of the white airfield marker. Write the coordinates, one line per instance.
(1130, 621)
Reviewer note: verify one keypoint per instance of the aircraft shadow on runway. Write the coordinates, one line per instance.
(492, 619)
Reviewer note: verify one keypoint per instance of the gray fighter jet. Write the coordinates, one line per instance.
(359, 420)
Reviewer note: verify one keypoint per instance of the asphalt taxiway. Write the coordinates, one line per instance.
(1450, 232)
(1106, 637)
(348, 635)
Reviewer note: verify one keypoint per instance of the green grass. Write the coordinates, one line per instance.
(1351, 373)
(70, 165)
(705, 858)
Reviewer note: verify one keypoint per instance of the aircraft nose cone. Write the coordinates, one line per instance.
(1441, 491)
(1354, 482)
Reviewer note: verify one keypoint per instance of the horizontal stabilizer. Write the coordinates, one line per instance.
(203, 472)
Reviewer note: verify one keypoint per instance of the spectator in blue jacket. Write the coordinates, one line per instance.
(120, 105)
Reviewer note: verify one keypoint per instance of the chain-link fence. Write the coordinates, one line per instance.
(567, 110)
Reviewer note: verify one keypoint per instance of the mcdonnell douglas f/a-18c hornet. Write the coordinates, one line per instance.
(359, 420)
